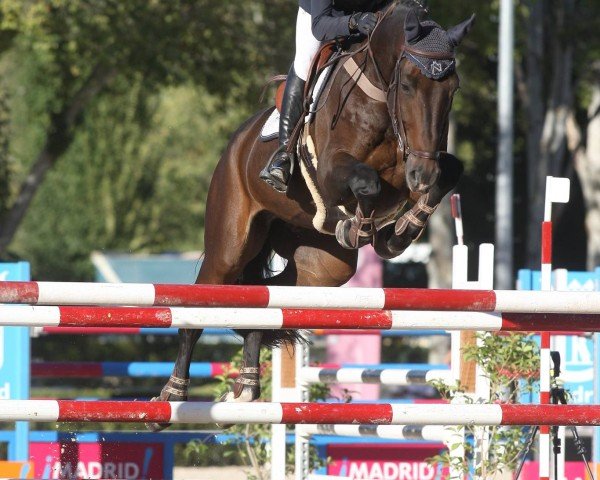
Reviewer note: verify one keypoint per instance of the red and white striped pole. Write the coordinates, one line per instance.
(457, 215)
(557, 191)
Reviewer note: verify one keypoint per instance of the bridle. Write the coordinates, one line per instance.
(391, 89)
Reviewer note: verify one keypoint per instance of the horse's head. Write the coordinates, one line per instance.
(420, 93)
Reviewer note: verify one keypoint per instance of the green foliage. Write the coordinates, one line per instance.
(135, 179)
(510, 363)
(137, 99)
(161, 85)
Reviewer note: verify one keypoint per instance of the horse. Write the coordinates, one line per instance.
(378, 154)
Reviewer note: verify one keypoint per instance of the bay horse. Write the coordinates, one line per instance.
(378, 155)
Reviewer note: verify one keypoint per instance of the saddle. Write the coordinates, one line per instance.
(315, 83)
(318, 64)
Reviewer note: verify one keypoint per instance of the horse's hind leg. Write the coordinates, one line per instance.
(313, 259)
(231, 242)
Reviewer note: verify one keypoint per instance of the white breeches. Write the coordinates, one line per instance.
(307, 45)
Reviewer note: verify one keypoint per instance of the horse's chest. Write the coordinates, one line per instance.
(388, 162)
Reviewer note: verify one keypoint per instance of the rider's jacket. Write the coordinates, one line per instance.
(330, 17)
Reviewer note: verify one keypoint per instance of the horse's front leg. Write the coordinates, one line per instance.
(349, 176)
(393, 239)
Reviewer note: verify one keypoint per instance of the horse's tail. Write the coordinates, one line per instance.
(255, 273)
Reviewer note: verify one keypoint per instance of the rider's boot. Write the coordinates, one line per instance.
(278, 170)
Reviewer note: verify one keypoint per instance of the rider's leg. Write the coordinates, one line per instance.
(278, 170)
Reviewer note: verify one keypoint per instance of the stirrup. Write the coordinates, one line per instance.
(275, 176)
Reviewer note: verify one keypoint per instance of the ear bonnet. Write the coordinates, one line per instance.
(432, 38)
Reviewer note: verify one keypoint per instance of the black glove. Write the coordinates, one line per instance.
(363, 22)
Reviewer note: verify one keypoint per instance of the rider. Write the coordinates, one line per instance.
(317, 21)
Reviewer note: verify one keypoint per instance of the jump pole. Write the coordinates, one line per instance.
(268, 319)
(237, 296)
(379, 376)
(426, 433)
(297, 413)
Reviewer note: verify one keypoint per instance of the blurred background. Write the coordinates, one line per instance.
(113, 115)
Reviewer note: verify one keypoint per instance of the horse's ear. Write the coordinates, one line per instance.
(412, 26)
(458, 32)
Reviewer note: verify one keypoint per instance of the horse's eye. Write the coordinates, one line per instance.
(405, 87)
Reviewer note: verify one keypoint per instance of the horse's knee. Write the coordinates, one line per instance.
(364, 181)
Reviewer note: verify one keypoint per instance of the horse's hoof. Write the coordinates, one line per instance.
(153, 426)
(348, 235)
(247, 395)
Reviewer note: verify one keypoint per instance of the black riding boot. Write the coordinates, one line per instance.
(277, 172)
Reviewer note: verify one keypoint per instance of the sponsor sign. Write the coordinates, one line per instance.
(16, 469)
(14, 363)
(385, 461)
(67, 460)
(573, 471)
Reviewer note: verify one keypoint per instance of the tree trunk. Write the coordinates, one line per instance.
(546, 138)
(4, 152)
(533, 99)
(58, 139)
(587, 164)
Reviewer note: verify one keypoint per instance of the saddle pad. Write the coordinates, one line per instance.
(270, 130)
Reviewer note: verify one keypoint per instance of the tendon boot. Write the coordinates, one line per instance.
(278, 170)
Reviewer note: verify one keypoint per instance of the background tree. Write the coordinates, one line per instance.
(137, 99)
(558, 45)
(80, 51)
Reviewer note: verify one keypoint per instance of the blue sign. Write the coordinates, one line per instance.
(578, 353)
(14, 364)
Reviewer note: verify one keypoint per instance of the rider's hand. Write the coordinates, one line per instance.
(363, 22)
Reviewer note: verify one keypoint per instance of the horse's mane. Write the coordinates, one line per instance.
(420, 5)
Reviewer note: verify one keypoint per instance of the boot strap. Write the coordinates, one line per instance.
(175, 391)
(247, 381)
(251, 370)
(423, 207)
(362, 227)
(179, 381)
